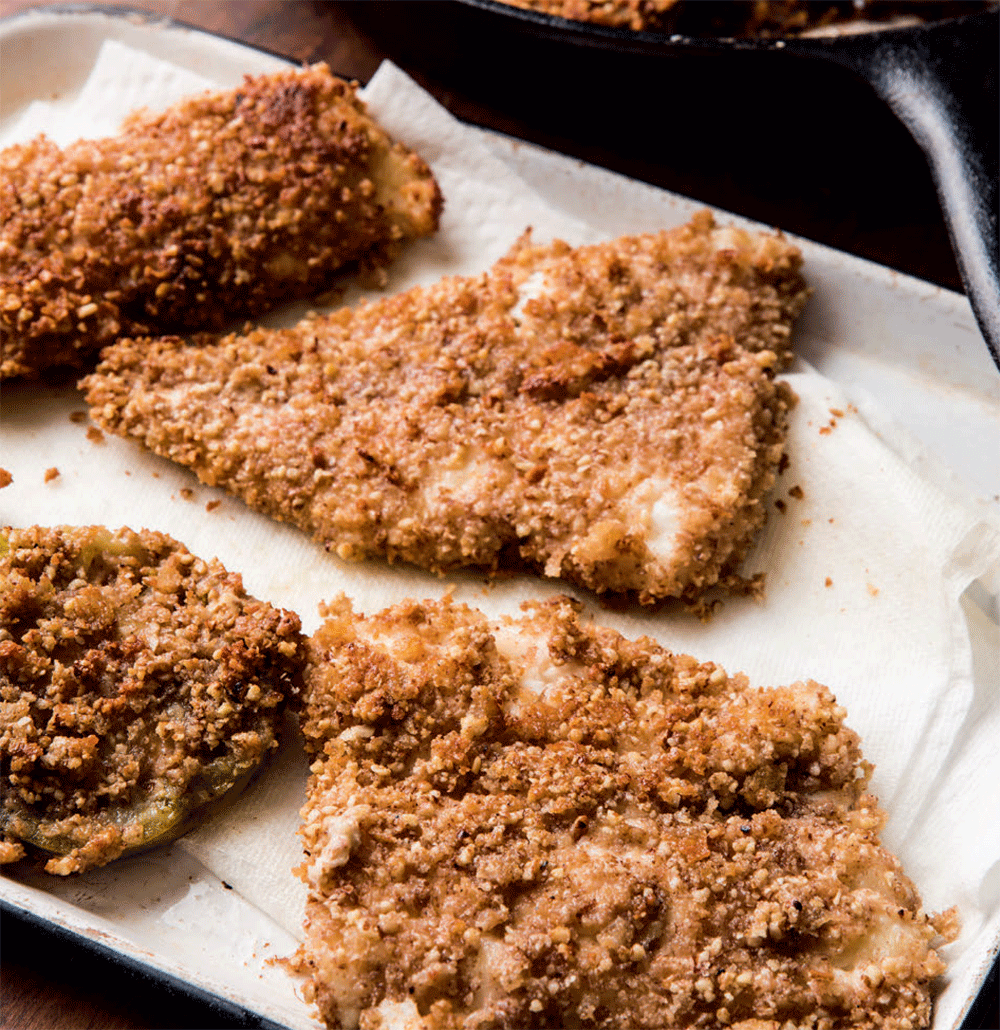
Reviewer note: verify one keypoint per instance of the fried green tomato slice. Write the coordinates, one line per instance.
(139, 685)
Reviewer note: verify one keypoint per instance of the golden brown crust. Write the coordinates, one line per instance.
(607, 413)
(540, 823)
(221, 207)
(746, 18)
(644, 15)
(138, 683)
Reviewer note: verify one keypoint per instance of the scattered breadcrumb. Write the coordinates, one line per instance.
(796, 492)
(94, 435)
(221, 207)
(829, 582)
(541, 823)
(187, 493)
(11, 850)
(78, 417)
(5, 478)
(138, 685)
(607, 414)
(212, 505)
(780, 504)
(50, 474)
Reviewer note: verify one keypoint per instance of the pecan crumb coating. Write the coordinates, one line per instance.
(138, 684)
(219, 208)
(607, 414)
(540, 823)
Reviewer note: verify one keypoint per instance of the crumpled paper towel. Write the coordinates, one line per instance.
(122, 80)
(868, 566)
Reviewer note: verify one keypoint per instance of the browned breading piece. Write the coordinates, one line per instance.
(539, 823)
(748, 18)
(138, 686)
(608, 413)
(645, 15)
(221, 207)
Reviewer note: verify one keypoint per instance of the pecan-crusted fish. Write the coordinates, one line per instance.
(138, 685)
(217, 209)
(607, 414)
(540, 823)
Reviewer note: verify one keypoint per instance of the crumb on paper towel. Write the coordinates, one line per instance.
(212, 505)
(797, 492)
(78, 417)
(5, 478)
(94, 435)
(187, 493)
(51, 473)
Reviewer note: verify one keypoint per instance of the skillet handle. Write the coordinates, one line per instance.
(941, 83)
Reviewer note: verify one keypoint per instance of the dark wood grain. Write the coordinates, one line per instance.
(808, 148)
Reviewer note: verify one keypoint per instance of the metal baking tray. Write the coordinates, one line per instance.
(914, 346)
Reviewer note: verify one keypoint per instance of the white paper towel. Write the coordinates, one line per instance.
(867, 572)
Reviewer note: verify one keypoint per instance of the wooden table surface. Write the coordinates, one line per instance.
(809, 149)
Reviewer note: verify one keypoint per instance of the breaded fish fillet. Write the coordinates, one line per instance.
(217, 209)
(609, 413)
(538, 823)
(138, 684)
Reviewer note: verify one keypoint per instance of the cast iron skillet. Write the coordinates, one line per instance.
(932, 77)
